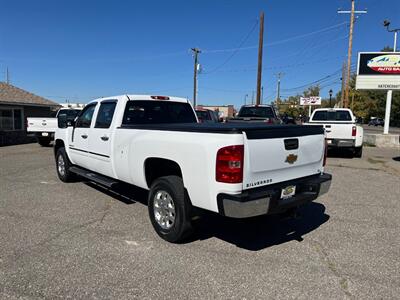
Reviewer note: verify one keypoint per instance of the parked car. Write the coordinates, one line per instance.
(44, 128)
(257, 113)
(207, 115)
(156, 143)
(342, 131)
(376, 122)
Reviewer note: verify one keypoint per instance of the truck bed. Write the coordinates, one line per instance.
(252, 130)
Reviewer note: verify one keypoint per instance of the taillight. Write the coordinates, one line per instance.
(229, 165)
(354, 131)
(325, 152)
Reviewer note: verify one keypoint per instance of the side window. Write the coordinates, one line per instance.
(85, 119)
(105, 114)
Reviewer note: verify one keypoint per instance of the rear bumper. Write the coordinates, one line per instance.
(42, 134)
(267, 200)
(341, 143)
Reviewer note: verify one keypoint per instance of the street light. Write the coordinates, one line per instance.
(330, 98)
(386, 23)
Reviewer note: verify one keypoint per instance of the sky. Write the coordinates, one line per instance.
(80, 50)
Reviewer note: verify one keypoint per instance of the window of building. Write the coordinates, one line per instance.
(11, 119)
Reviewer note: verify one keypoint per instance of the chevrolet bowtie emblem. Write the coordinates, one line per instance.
(291, 158)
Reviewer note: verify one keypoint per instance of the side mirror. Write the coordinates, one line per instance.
(62, 121)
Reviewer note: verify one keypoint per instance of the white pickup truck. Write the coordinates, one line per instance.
(156, 143)
(44, 128)
(342, 131)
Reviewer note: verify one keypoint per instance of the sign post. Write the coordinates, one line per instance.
(310, 101)
(379, 71)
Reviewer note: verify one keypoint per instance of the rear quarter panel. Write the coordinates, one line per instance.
(195, 153)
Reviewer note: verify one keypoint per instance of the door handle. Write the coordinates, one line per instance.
(84, 136)
(105, 138)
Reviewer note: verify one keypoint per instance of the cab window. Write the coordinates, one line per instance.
(105, 114)
(85, 118)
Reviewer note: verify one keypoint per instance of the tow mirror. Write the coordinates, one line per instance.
(62, 121)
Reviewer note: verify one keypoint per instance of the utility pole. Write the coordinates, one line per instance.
(7, 76)
(260, 55)
(278, 87)
(245, 98)
(196, 52)
(252, 97)
(343, 84)
(352, 12)
(262, 94)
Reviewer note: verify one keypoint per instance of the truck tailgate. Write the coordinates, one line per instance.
(42, 124)
(338, 130)
(273, 157)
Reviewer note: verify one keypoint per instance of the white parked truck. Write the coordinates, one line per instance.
(44, 128)
(342, 131)
(157, 143)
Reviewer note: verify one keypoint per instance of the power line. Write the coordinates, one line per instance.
(279, 41)
(236, 51)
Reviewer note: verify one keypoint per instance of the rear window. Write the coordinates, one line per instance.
(70, 113)
(157, 112)
(337, 115)
(256, 112)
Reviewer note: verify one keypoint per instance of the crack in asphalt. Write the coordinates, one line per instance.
(343, 282)
(106, 209)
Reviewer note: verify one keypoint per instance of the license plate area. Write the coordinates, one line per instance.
(45, 134)
(288, 192)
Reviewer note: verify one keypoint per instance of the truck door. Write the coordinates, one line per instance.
(100, 139)
(78, 145)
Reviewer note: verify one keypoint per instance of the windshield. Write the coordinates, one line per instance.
(337, 115)
(256, 112)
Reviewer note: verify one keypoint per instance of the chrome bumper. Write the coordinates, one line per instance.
(266, 200)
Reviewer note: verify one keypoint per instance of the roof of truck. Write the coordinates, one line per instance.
(132, 97)
(332, 109)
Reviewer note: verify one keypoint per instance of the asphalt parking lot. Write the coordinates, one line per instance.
(80, 241)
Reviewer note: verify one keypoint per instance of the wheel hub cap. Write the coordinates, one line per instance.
(61, 165)
(164, 209)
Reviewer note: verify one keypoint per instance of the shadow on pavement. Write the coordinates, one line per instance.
(397, 158)
(252, 234)
(262, 232)
(340, 153)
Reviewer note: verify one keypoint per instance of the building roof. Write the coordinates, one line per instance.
(12, 95)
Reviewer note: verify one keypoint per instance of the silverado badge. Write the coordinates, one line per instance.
(291, 158)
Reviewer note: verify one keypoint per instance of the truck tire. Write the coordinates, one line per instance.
(44, 141)
(169, 209)
(358, 152)
(63, 164)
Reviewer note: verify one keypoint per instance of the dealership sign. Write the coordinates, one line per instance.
(310, 100)
(378, 71)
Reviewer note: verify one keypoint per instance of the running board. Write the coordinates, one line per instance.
(100, 179)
